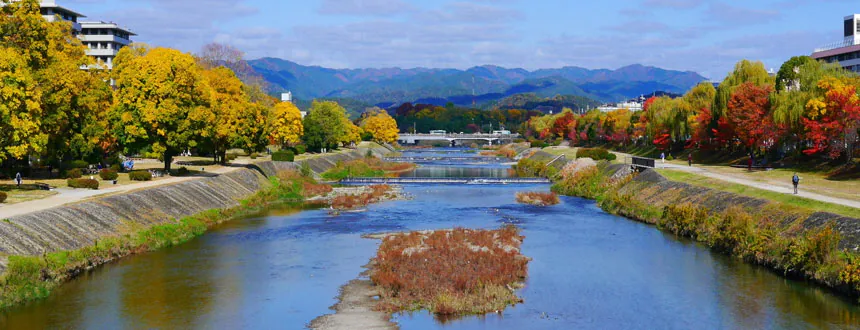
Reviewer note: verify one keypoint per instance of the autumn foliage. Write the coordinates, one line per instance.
(452, 272)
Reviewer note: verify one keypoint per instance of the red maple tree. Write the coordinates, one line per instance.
(749, 115)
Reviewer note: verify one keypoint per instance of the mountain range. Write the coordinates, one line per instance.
(475, 86)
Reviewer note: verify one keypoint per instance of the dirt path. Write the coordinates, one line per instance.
(69, 195)
(355, 310)
(786, 189)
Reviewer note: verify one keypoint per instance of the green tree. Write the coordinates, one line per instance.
(162, 100)
(789, 71)
(325, 126)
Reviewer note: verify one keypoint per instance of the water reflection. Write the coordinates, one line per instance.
(589, 270)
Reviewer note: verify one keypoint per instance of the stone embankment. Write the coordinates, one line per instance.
(74, 226)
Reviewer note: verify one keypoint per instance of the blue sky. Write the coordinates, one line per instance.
(706, 36)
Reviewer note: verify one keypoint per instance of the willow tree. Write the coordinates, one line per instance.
(161, 101)
(744, 72)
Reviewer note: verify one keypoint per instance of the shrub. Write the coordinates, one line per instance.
(140, 176)
(539, 144)
(2, 197)
(670, 157)
(78, 164)
(230, 157)
(283, 156)
(74, 173)
(300, 149)
(182, 171)
(538, 198)
(595, 153)
(108, 174)
(116, 167)
(254, 155)
(83, 183)
(453, 272)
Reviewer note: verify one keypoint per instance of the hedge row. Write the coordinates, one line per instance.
(283, 156)
(83, 183)
(595, 153)
(140, 175)
(108, 174)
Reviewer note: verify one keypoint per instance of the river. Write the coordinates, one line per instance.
(590, 270)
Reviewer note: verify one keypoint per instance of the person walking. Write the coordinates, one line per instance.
(796, 181)
(690, 159)
(18, 179)
(663, 157)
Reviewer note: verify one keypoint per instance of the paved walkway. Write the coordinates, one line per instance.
(786, 189)
(69, 195)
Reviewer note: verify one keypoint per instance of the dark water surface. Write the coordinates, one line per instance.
(590, 270)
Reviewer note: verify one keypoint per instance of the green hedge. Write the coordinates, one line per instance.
(283, 156)
(83, 183)
(2, 197)
(300, 149)
(140, 175)
(108, 174)
(595, 153)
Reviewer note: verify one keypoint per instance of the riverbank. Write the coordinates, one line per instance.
(45, 248)
(817, 246)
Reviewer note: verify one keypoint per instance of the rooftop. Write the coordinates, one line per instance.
(847, 42)
(105, 25)
(53, 5)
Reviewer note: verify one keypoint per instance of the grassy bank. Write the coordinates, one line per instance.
(369, 167)
(785, 199)
(769, 233)
(30, 278)
(456, 272)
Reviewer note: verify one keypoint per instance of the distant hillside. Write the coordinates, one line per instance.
(484, 84)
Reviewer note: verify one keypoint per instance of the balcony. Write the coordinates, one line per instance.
(103, 38)
(102, 52)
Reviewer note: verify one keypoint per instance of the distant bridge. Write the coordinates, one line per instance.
(449, 159)
(488, 181)
(454, 139)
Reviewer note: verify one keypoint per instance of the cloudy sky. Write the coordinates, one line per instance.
(706, 36)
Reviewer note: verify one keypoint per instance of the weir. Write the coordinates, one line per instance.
(449, 159)
(445, 181)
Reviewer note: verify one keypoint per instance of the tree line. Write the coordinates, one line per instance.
(57, 105)
(809, 108)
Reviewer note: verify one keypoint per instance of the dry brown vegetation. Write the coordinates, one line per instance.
(349, 202)
(505, 151)
(456, 272)
(538, 198)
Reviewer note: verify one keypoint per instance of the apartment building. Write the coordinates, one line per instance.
(847, 51)
(104, 40)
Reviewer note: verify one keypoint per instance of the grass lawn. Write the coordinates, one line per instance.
(570, 153)
(785, 199)
(20, 196)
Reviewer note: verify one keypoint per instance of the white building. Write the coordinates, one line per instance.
(632, 106)
(104, 40)
(847, 51)
(51, 11)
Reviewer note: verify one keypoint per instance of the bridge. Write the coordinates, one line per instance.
(488, 181)
(449, 159)
(453, 139)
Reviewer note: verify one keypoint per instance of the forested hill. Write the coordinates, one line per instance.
(478, 85)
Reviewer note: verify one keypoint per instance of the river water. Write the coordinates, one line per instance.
(590, 270)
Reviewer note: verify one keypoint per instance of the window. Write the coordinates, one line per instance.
(848, 24)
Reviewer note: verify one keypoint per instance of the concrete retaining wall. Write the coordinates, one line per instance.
(75, 226)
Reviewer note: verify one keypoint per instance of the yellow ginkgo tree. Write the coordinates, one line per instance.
(162, 101)
(229, 102)
(381, 126)
(286, 128)
(20, 108)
